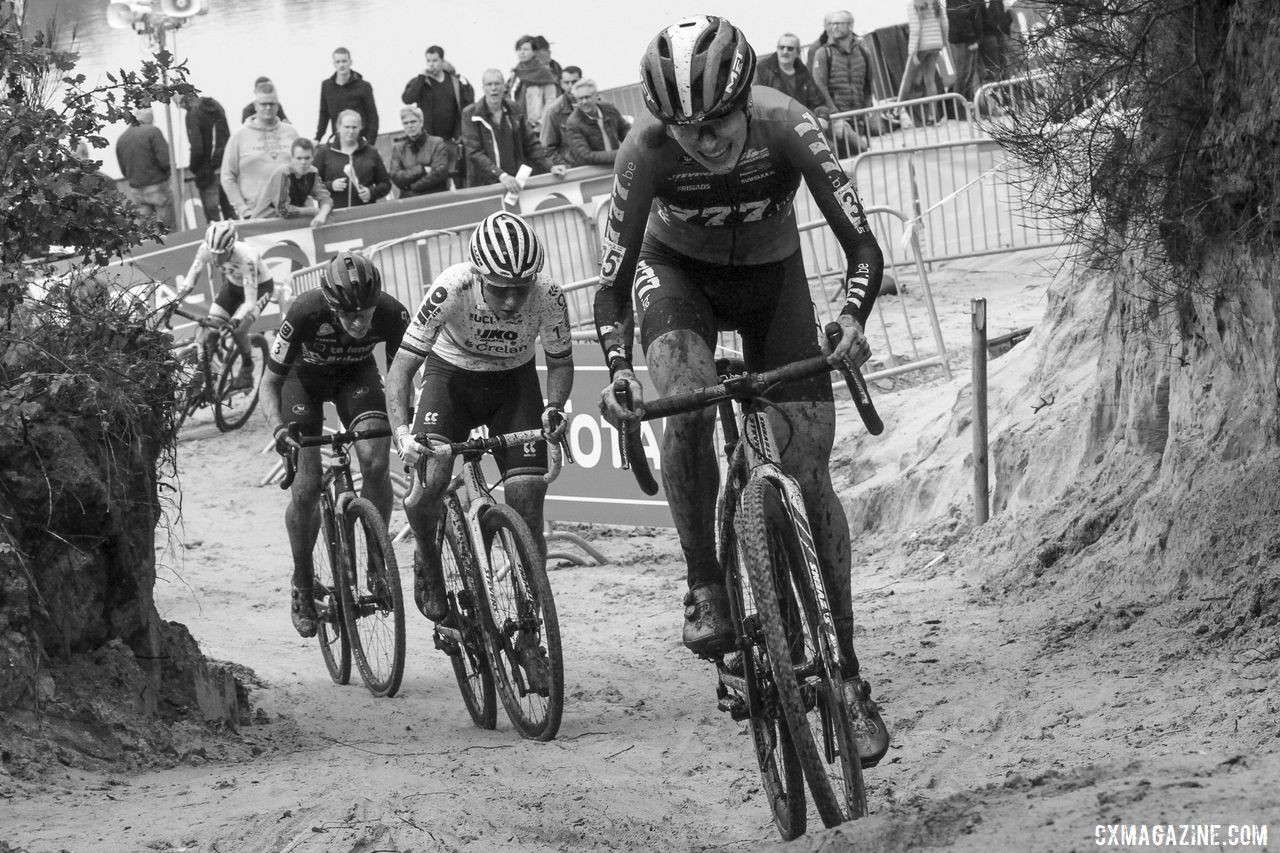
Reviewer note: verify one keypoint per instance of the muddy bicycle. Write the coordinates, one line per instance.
(502, 633)
(784, 676)
(359, 602)
(213, 371)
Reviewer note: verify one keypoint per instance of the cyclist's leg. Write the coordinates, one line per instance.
(805, 429)
(362, 405)
(301, 402)
(677, 329)
(437, 415)
(523, 466)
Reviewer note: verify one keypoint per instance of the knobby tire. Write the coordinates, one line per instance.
(335, 648)
(780, 772)
(373, 603)
(769, 550)
(470, 659)
(522, 621)
(232, 408)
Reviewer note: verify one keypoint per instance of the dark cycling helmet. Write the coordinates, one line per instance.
(350, 282)
(505, 248)
(220, 236)
(697, 69)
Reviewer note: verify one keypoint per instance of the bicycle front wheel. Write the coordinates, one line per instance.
(335, 648)
(523, 633)
(463, 639)
(373, 603)
(234, 404)
(772, 554)
(780, 772)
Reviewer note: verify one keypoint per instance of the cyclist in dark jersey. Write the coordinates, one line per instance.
(703, 234)
(324, 353)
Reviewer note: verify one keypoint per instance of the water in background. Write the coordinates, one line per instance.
(291, 41)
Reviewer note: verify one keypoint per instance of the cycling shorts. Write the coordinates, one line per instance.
(356, 393)
(231, 296)
(767, 304)
(454, 401)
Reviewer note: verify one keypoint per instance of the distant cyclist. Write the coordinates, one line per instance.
(242, 267)
(324, 353)
(474, 338)
(703, 233)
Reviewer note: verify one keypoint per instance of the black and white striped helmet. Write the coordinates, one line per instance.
(505, 249)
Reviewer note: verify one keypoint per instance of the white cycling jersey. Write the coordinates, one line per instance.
(454, 322)
(243, 268)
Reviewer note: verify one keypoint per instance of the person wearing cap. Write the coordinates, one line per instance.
(702, 234)
(473, 336)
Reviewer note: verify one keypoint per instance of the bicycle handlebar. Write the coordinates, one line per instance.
(742, 386)
(337, 439)
(557, 451)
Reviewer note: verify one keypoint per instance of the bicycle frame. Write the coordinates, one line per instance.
(474, 496)
(752, 452)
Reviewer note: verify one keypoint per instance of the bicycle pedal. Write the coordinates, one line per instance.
(735, 707)
(447, 640)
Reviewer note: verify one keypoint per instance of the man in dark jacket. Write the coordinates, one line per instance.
(498, 139)
(346, 90)
(442, 94)
(785, 72)
(143, 156)
(207, 133)
(594, 129)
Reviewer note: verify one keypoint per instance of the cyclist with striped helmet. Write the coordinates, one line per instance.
(242, 268)
(702, 234)
(323, 353)
(474, 336)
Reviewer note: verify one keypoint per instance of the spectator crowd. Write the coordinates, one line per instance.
(539, 117)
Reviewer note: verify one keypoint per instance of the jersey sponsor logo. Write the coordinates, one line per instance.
(646, 282)
(360, 391)
(610, 261)
(497, 334)
(438, 295)
(848, 198)
(325, 329)
(529, 451)
(430, 418)
(300, 408)
(717, 215)
(286, 330)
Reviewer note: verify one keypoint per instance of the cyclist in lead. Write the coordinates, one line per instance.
(242, 267)
(473, 336)
(703, 233)
(324, 353)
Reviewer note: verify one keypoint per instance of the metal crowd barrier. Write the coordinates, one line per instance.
(993, 101)
(902, 124)
(409, 264)
(969, 198)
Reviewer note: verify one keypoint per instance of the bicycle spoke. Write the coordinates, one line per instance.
(373, 603)
(463, 640)
(524, 631)
(334, 646)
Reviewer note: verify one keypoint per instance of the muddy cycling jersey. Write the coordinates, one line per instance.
(243, 268)
(743, 218)
(312, 336)
(455, 323)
